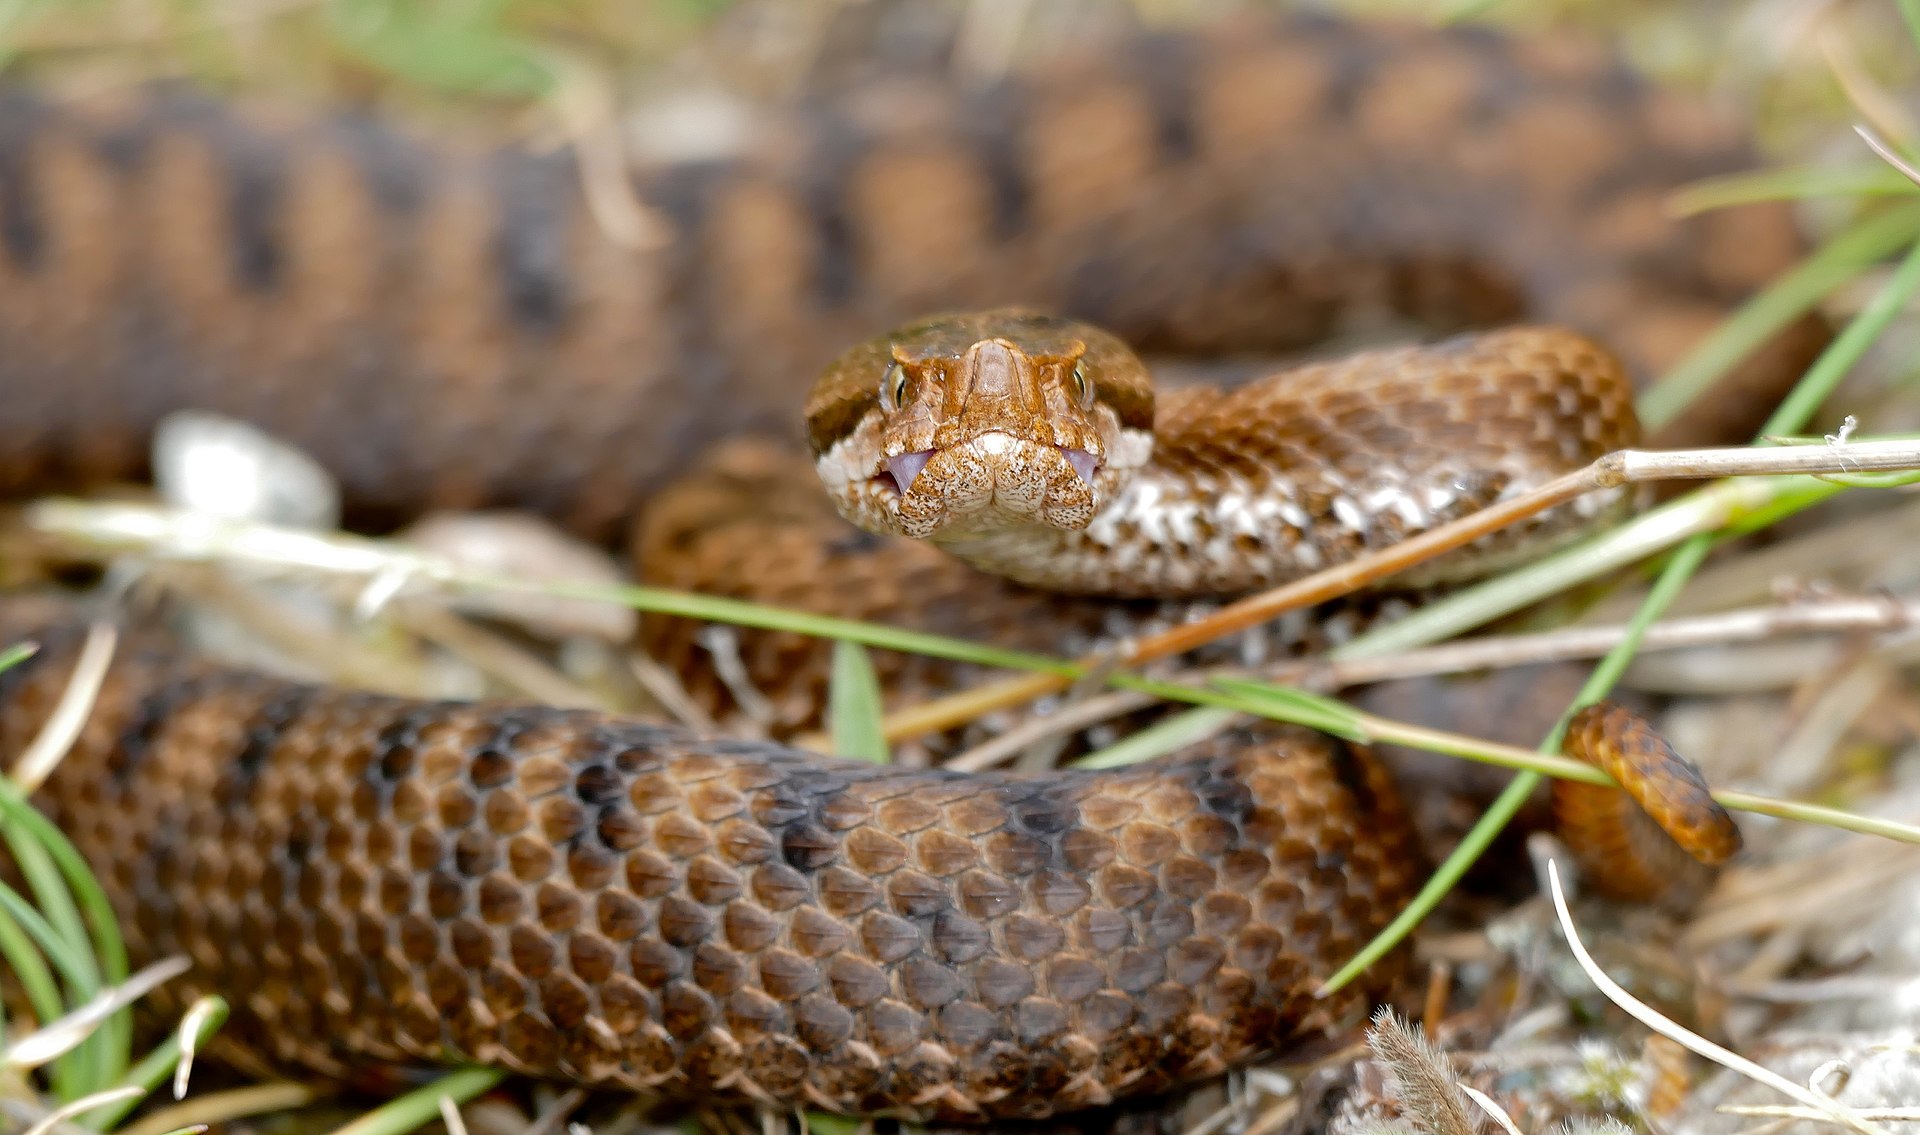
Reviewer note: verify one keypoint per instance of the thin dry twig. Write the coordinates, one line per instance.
(63, 1034)
(58, 1116)
(70, 713)
(1887, 153)
(1494, 652)
(495, 656)
(1828, 1108)
(1068, 719)
(1872, 100)
(1783, 1111)
(586, 105)
(450, 1115)
(1622, 467)
(220, 1107)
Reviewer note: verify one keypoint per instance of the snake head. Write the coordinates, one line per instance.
(967, 426)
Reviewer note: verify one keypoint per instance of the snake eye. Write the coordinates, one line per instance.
(893, 387)
(1082, 389)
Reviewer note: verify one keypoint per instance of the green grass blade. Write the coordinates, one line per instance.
(1328, 715)
(1910, 12)
(1507, 805)
(74, 966)
(1461, 11)
(821, 1123)
(1876, 180)
(14, 655)
(70, 949)
(422, 1105)
(109, 947)
(741, 613)
(30, 970)
(1161, 738)
(854, 707)
(455, 49)
(1847, 348)
(106, 948)
(1841, 259)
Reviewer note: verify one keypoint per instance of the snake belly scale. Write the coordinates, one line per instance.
(612, 903)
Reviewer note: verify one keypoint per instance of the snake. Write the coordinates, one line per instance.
(616, 903)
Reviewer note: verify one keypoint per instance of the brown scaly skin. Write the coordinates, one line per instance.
(1659, 841)
(964, 431)
(444, 327)
(588, 899)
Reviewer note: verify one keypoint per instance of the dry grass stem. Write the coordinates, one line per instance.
(1495, 652)
(450, 1115)
(153, 529)
(669, 693)
(1887, 153)
(1836, 886)
(587, 105)
(1067, 719)
(555, 1112)
(496, 657)
(70, 714)
(58, 1037)
(1874, 102)
(193, 1023)
(1828, 1108)
(1784, 1111)
(1493, 1109)
(54, 1119)
(222, 1107)
(269, 619)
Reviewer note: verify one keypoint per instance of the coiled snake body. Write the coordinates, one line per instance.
(374, 879)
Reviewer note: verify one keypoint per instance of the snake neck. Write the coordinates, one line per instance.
(1167, 534)
(1177, 534)
(1254, 487)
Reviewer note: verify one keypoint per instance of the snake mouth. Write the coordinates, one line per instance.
(901, 471)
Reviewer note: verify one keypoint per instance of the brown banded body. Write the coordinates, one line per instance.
(382, 300)
(612, 903)
(619, 904)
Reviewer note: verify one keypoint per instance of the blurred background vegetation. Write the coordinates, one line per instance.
(1787, 60)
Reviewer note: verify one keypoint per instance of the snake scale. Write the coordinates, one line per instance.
(588, 899)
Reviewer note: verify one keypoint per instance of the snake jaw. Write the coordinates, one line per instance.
(997, 483)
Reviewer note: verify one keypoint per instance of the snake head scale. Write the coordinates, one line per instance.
(964, 427)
